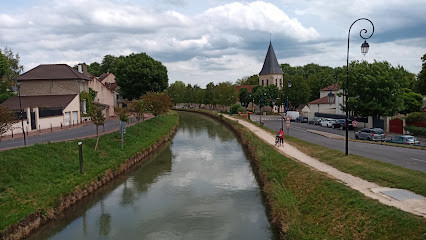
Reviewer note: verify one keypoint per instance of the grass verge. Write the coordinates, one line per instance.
(34, 178)
(307, 204)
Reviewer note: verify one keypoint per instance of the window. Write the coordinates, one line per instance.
(276, 82)
(267, 82)
(262, 82)
(84, 106)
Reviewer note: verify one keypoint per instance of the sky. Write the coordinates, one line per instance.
(213, 40)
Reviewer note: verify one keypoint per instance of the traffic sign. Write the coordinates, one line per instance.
(288, 118)
(355, 123)
(287, 124)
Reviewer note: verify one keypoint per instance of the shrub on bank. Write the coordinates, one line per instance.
(416, 131)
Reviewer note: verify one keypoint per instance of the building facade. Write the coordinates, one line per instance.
(271, 73)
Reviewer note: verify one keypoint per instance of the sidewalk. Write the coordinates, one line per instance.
(399, 198)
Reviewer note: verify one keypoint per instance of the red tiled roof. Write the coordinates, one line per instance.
(332, 87)
(48, 101)
(111, 86)
(52, 71)
(323, 100)
(249, 88)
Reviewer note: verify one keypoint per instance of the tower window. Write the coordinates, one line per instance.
(267, 82)
(262, 82)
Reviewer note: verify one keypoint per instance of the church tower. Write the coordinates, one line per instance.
(271, 71)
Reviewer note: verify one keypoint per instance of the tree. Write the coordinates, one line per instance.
(14, 67)
(7, 119)
(244, 96)
(374, 89)
(108, 64)
(420, 85)
(138, 74)
(176, 91)
(98, 119)
(137, 107)
(9, 69)
(210, 94)
(412, 102)
(225, 94)
(252, 80)
(157, 103)
(95, 69)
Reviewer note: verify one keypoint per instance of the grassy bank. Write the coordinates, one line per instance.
(307, 204)
(34, 178)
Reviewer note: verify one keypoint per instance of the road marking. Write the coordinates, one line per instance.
(415, 159)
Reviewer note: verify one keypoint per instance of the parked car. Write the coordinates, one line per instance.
(371, 134)
(341, 124)
(404, 139)
(314, 121)
(302, 119)
(328, 122)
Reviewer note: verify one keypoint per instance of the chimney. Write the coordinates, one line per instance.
(80, 68)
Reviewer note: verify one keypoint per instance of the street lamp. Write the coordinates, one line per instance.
(364, 50)
(22, 113)
(289, 86)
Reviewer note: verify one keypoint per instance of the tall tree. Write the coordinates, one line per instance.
(412, 102)
(138, 74)
(176, 91)
(108, 64)
(210, 94)
(95, 69)
(5, 84)
(244, 97)
(420, 85)
(373, 89)
(15, 68)
(225, 94)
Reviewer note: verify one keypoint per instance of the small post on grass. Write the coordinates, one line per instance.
(122, 133)
(80, 148)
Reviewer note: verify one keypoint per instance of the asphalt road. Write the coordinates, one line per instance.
(404, 157)
(62, 135)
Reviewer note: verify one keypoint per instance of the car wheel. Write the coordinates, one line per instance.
(356, 137)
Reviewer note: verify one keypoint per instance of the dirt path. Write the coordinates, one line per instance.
(399, 198)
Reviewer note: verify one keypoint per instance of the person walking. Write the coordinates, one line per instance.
(281, 135)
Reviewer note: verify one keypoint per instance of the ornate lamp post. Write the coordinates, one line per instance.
(364, 50)
(22, 113)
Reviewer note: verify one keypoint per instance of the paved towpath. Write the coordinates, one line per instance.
(399, 198)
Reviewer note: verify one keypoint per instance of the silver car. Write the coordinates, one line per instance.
(371, 134)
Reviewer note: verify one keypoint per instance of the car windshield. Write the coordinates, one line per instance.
(410, 138)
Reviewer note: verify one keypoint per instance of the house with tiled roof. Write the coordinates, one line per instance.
(106, 92)
(329, 102)
(50, 97)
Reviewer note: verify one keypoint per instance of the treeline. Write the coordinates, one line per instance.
(375, 89)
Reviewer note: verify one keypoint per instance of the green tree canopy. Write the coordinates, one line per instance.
(138, 74)
(252, 80)
(374, 89)
(420, 85)
(412, 102)
(176, 91)
(244, 96)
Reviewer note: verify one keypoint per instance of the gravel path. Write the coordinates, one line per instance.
(399, 198)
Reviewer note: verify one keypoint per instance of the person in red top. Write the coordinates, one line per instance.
(281, 135)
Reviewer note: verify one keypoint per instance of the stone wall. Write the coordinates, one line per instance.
(50, 87)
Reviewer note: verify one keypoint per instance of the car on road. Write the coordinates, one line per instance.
(371, 134)
(293, 115)
(404, 139)
(328, 122)
(302, 119)
(314, 121)
(341, 124)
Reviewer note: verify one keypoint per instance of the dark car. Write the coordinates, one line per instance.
(404, 139)
(302, 119)
(341, 124)
(314, 121)
(371, 134)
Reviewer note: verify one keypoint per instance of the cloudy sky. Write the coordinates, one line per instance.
(213, 40)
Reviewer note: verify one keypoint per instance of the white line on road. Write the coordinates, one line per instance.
(415, 159)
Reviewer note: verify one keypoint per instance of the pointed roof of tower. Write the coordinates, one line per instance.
(271, 66)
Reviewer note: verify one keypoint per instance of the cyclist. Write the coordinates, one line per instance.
(281, 135)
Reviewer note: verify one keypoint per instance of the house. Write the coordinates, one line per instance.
(106, 94)
(328, 103)
(49, 97)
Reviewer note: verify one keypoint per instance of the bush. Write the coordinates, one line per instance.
(416, 131)
(236, 108)
(416, 117)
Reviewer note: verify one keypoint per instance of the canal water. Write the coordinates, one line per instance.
(199, 186)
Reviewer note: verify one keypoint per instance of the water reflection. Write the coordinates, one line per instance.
(200, 187)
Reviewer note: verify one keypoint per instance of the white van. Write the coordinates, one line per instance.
(293, 115)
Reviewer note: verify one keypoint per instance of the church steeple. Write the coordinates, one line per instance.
(271, 73)
(270, 65)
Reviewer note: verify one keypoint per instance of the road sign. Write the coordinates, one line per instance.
(354, 123)
(287, 124)
(288, 118)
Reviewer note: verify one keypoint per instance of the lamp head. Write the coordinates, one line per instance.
(365, 47)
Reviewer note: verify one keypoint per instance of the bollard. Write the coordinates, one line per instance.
(80, 149)
(51, 127)
(39, 128)
(61, 125)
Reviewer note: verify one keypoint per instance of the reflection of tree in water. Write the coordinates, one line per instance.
(104, 222)
(196, 123)
(143, 177)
